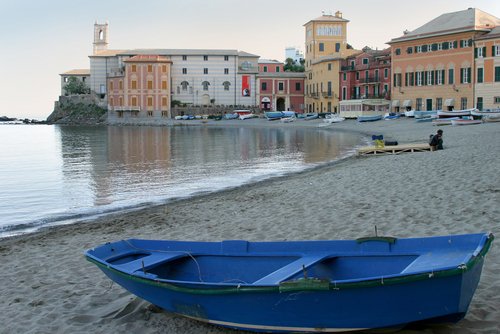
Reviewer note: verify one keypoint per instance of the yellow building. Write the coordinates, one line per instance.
(433, 66)
(326, 46)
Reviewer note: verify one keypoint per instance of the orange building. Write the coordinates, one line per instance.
(142, 88)
(433, 66)
(487, 53)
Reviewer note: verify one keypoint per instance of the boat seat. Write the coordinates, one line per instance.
(149, 261)
(290, 269)
(437, 261)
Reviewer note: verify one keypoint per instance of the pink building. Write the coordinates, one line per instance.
(142, 88)
(366, 75)
(279, 90)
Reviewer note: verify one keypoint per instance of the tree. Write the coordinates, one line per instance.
(291, 66)
(76, 87)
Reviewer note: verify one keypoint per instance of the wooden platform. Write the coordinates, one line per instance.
(397, 149)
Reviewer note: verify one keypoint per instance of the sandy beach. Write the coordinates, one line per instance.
(48, 287)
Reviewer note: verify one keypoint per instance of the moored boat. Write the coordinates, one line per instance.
(334, 119)
(311, 116)
(273, 115)
(454, 113)
(465, 121)
(342, 285)
(369, 118)
(444, 121)
(425, 114)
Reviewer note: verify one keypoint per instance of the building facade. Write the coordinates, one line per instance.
(433, 67)
(487, 56)
(279, 90)
(326, 46)
(82, 75)
(192, 77)
(366, 75)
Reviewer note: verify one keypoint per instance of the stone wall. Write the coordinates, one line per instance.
(77, 110)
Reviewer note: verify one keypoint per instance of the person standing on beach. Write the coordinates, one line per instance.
(436, 141)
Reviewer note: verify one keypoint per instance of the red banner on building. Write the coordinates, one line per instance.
(245, 85)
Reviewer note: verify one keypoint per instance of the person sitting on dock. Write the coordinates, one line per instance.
(436, 142)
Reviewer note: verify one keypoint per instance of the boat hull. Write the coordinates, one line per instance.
(302, 302)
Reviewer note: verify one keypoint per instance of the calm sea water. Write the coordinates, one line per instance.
(53, 175)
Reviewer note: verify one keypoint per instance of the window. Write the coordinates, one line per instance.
(496, 100)
(480, 71)
(465, 75)
(184, 57)
(263, 86)
(134, 68)
(111, 85)
(451, 74)
(397, 51)
(386, 73)
(386, 88)
(451, 45)
(150, 101)
(479, 103)
(120, 85)
(134, 84)
(419, 79)
(330, 67)
(150, 68)
(353, 63)
(164, 101)
(150, 84)
(329, 88)
(164, 68)
(84, 78)
(344, 93)
(205, 70)
(397, 79)
(409, 50)
(365, 61)
(463, 103)
(497, 73)
(277, 69)
(321, 47)
(418, 49)
(430, 78)
(298, 86)
(419, 103)
(345, 76)
(226, 71)
(480, 52)
(134, 101)
(164, 84)
(281, 86)
(205, 58)
(357, 75)
(439, 46)
(226, 58)
(205, 85)
(184, 70)
(265, 68)
(184, 85)
(226, 85)
(439, 77)
(495, 50)
(439, 103)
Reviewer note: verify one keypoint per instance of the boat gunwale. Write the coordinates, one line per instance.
(230, 288)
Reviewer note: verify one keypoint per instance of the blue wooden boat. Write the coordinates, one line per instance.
(310, 116)
(273, 115)
(302, 286)
(369, 118)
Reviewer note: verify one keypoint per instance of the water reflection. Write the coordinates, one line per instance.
(123, 166)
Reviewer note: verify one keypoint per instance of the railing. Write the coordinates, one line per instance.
(369, 80)
(117, 109)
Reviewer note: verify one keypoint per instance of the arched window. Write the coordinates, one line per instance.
(205, 85)
(184, 85)
(101, 34)
(226, 85)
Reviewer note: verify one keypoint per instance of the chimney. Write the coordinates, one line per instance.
(338, 14)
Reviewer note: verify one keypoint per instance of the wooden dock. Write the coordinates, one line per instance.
(396, 149)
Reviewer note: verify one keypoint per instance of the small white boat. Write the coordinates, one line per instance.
(465, 121)
(486, 113)
(444, 121)
(333, 119)
(410, 113)
(247, 116)
(287, 119)
(455, 113)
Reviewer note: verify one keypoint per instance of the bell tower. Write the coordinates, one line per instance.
(100, 37)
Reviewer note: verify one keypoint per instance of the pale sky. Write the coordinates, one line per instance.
(41, 39)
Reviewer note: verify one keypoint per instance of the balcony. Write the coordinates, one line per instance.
(369, 80)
